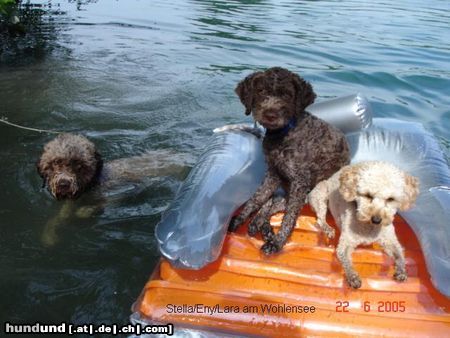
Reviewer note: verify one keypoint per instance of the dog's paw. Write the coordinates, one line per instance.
(267, 232)
(270, 247)
(85, 211)
(326, 228)
(234, 224)
(49, 239)
(400, 276)
(330, 232)
(354, 281)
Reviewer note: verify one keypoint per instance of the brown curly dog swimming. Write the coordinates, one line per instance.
(71, 165)
(300, 149)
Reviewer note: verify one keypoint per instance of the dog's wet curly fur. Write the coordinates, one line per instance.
(300, 149)
(69, 165)
(363, 199)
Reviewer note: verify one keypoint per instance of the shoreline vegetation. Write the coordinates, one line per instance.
(26, 32)
(10, 22)
(8, 11)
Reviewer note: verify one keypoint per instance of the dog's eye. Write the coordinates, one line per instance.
(77, 164)
(391, 199)
(368, 196)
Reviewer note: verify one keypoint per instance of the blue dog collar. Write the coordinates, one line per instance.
(283, 131)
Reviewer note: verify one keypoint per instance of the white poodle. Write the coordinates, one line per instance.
(363, 199)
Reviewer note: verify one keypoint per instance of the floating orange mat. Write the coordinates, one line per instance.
(300, 292)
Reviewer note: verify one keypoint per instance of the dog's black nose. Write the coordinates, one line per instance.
(270, 117)
(376, 220)
(64, 183)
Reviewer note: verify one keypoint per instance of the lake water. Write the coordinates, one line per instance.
(137, 75)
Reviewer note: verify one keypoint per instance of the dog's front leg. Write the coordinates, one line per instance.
(49, 236)
(262, 195)
(260, 218)
(344, 252)
(394, 249)
(278, 205)
(296, 200)
(261, 221)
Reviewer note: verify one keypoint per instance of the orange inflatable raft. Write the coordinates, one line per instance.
(300, 292)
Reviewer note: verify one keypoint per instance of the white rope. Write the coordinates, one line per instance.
(5, 121)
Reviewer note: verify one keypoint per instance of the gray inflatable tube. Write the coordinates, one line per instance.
(192, 230)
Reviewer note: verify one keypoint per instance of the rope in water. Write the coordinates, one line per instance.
(5, 121)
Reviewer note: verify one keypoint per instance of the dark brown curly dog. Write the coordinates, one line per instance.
(300, 149)
(70, 165)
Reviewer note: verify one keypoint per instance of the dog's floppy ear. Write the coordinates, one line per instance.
(245, 90)
(348, 182)
(411, 190)
(304, 93)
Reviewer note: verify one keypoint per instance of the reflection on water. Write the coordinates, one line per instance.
(220, 19)
(138, 75)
